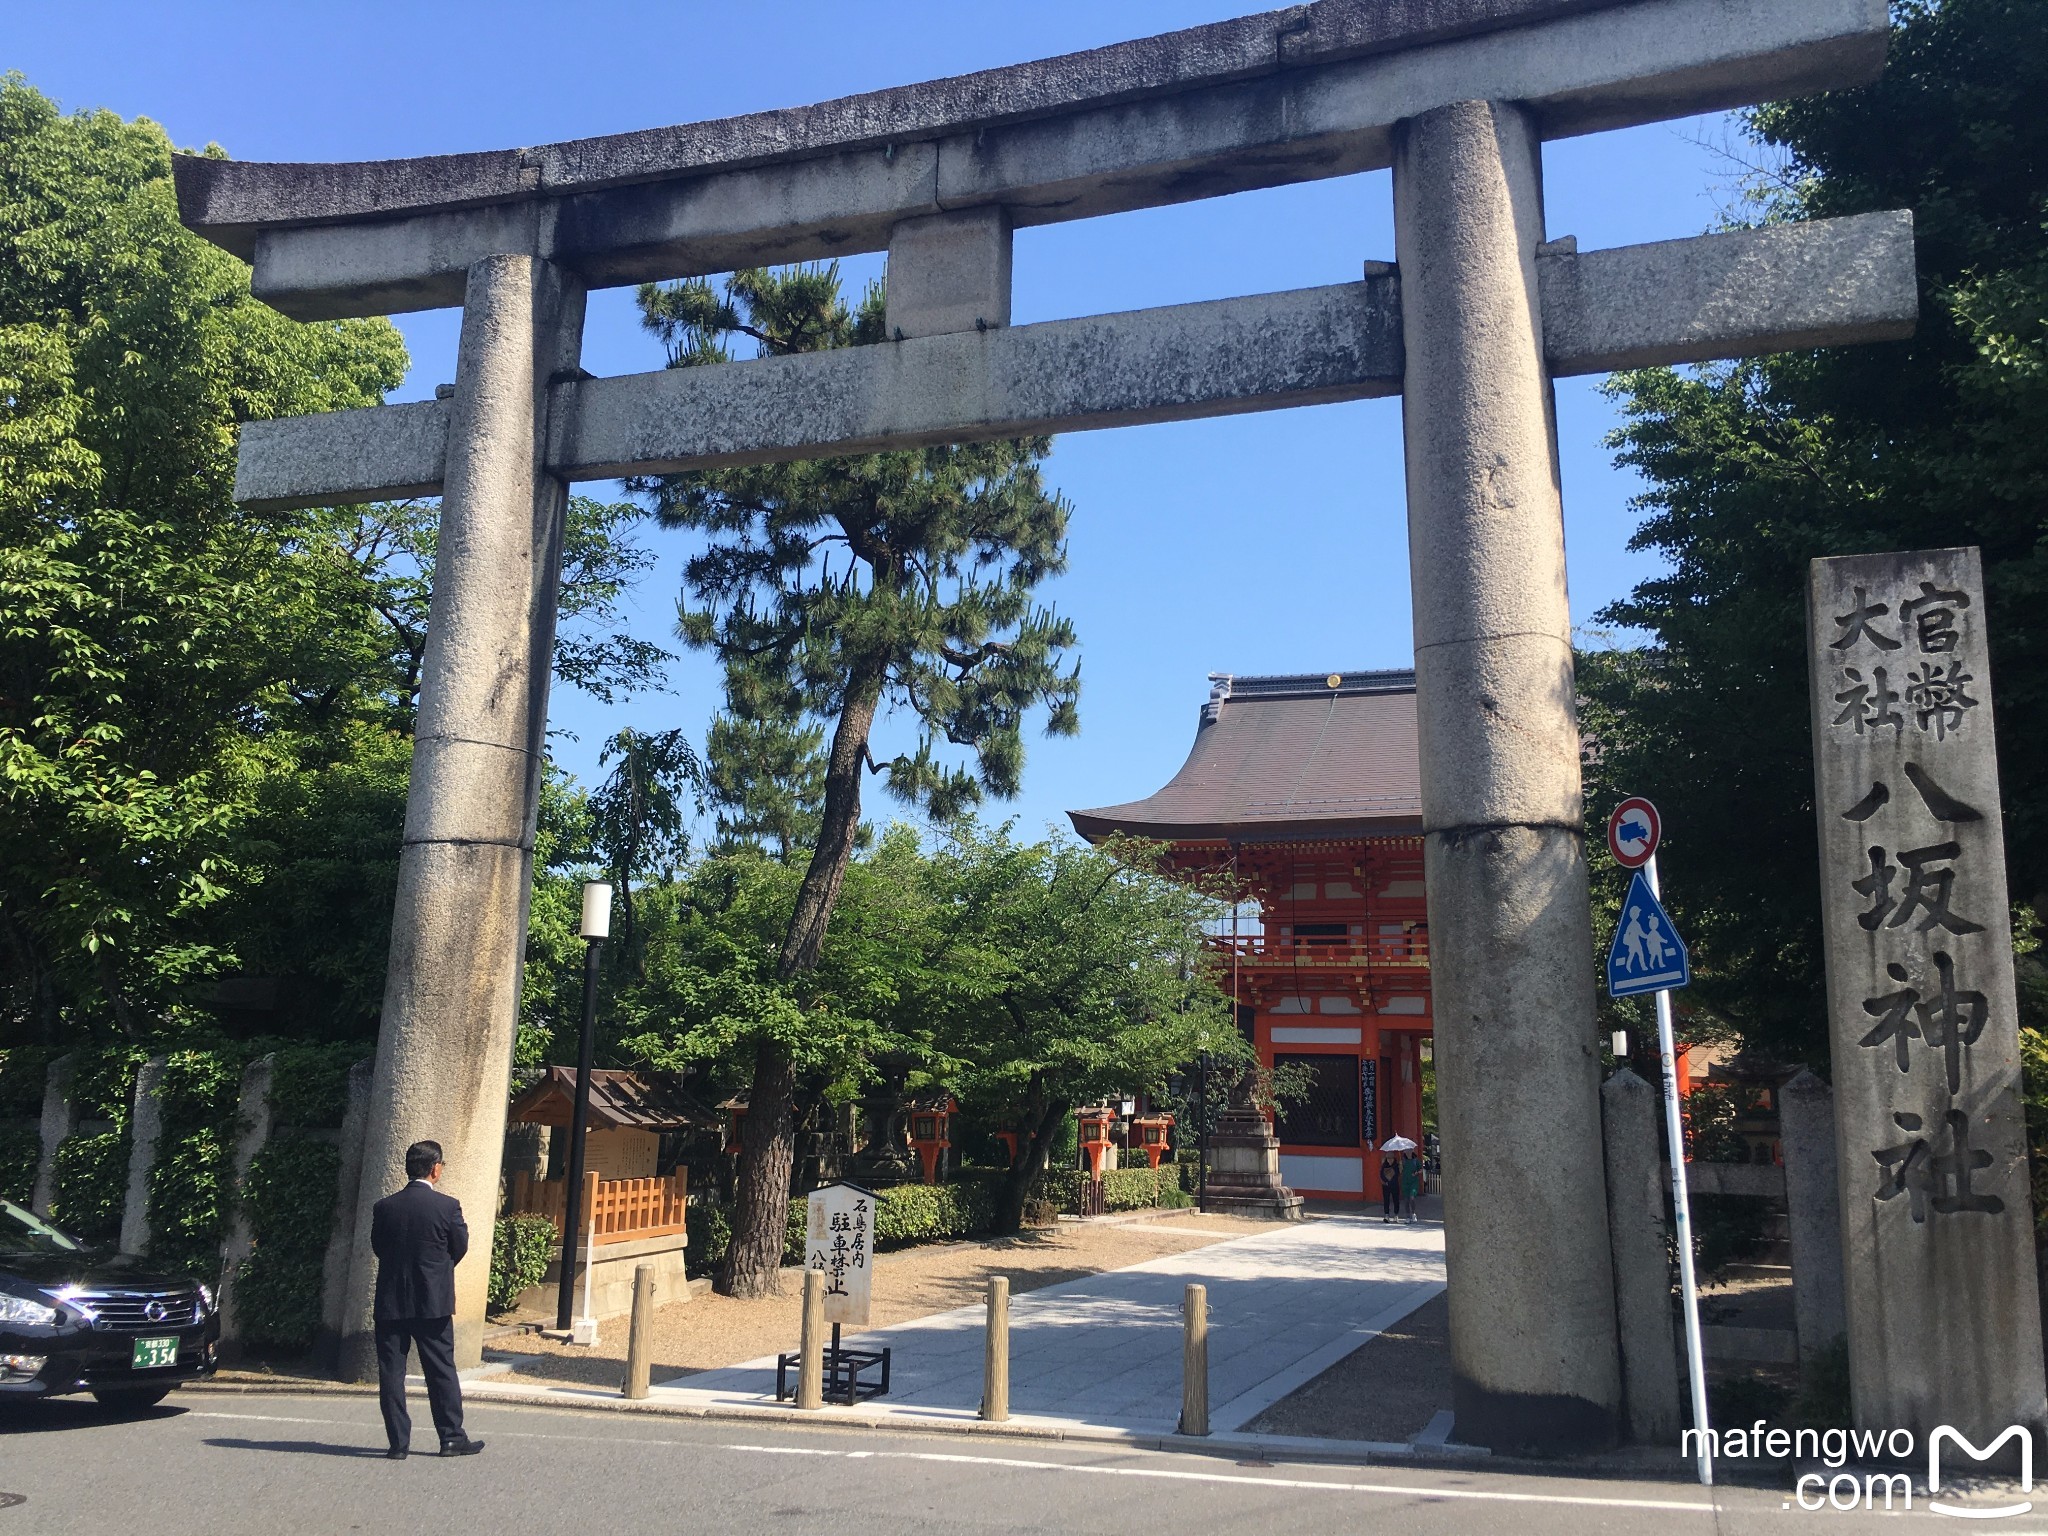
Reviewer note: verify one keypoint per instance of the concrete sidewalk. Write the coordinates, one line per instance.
(1104, 1353)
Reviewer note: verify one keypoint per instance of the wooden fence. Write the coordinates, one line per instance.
(621, 1208)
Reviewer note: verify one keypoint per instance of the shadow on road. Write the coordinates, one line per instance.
(298, 1447)
(56, 1415)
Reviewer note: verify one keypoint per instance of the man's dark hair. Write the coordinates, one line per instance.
(420, 1158)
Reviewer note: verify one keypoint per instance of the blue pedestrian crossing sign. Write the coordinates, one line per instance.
(1647, 954)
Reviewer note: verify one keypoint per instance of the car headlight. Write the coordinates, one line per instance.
(205, 1299)
(19, 1310)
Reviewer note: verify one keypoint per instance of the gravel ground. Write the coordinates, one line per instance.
(710, 1332)
(1387, 1389)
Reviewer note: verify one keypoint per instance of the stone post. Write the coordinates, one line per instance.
(145, 1129)
(252, 1131)
(451, 993)
(1642, 1259)
(1532, 1317)
(1937, 1213)
(60, 1124)
(1813, 1210)
(341, 1244)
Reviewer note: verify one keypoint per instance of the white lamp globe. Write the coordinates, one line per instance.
(597, 910)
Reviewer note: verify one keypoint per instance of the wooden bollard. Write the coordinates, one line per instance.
(810, 1374)
(1194, 1379)
(995, 1367)
(640, 1341)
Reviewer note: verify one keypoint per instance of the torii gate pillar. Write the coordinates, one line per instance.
(1533, 1345)
(465, 870)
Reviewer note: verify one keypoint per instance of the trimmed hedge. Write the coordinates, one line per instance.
(519, 1257)
(1124, 1189)
(289, 1197)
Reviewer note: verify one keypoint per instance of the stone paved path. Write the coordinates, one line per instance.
(1284, 1306)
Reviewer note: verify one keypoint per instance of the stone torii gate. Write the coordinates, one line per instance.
(1480, 313)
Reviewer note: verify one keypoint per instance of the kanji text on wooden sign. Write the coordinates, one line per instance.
(839, 1242)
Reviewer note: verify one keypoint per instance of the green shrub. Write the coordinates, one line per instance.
(922, 1213)
(1173, 1198)
(309, 1084)
(794, 1226)
(519, 1257)
(709, 1228)
(1062, 1186)
(190, 1185)
(92, 1182)
(24, 1071)
(1130, 1189)
(21, 1147)
(289, 1198)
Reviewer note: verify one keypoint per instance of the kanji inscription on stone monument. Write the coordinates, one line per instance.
(1944, 1323)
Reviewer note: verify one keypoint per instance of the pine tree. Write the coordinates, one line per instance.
(836, 590)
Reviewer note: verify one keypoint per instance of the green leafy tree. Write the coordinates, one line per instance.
(846, 587)
(1755, 468)
(157, 644)
(712, 991)
(639, 815)
(1074, 973)
(205, 712)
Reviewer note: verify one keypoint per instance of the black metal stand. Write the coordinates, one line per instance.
(843, 1371)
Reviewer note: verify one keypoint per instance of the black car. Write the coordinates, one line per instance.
(73, 1319)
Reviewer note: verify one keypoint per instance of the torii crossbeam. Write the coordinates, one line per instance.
(1479, 314)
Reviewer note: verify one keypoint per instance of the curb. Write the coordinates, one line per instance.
(1624, 1465)
(1288, 1447)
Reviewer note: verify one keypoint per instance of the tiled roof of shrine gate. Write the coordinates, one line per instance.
(1319, 755)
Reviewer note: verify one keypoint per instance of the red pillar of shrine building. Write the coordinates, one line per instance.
(1305, 792)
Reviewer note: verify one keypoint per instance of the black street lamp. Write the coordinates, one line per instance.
(597, 926)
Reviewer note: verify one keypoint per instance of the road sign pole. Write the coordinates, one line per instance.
(1681, 1207)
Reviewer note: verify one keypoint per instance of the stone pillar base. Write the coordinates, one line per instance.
(1244, 1170)
(611, 1279)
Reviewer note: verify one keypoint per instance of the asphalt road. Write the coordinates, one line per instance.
(221, 1464)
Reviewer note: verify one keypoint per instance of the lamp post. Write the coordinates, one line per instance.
(597, 926)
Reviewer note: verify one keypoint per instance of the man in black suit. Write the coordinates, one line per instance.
(419, 1237)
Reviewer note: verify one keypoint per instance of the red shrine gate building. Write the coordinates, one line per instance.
(1304, 794)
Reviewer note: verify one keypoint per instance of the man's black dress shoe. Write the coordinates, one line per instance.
(462, 1447)
(397, 1453)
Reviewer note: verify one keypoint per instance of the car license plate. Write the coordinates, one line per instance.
(150, 1354)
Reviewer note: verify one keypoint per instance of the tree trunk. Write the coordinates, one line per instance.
(1034, 1146)
(760, 1219)
(839, 823)
(768, 1138)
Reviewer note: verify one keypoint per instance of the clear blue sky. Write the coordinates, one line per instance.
(1265, 543)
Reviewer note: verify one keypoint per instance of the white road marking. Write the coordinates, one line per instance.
(1418, 1491)
(1398, 1490)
